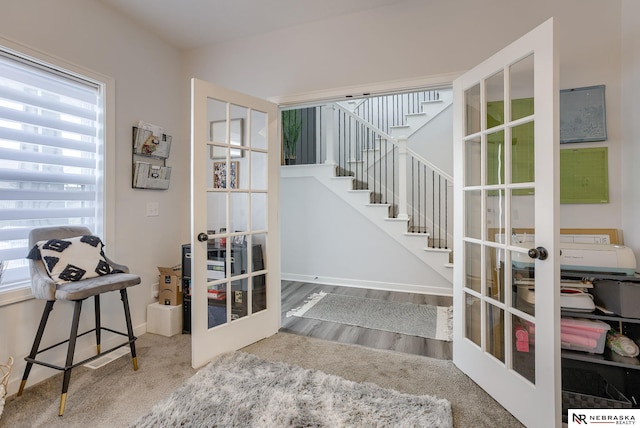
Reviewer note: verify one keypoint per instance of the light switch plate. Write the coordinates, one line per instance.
(153, 209)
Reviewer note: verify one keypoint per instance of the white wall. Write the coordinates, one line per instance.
(147, 73)
(430, 140)
(417, 39)
(631, 124)
(330, 242)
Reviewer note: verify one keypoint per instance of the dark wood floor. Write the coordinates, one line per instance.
(295, 293)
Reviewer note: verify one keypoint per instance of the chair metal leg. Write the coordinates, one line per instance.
(36, 344)
(127, 316)
(70, 351)
(96, 300)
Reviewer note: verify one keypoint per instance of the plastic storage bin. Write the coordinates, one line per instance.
(585, 335)
(621, 297)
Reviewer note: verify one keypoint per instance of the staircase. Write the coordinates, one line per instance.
(374, 164)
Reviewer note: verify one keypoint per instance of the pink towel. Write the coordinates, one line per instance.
(582, 325)
(574, 339)
(522, 334)
(592, 333)
(522, 339)
(522, 346)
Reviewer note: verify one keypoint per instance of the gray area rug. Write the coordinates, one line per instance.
(431, 322)
(242, 390)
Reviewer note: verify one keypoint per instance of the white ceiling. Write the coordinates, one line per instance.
(189, 24)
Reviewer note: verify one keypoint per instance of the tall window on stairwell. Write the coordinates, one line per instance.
(51, 157)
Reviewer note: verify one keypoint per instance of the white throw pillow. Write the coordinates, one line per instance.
(73, 259)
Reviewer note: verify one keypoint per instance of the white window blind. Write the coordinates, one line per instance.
(51, 162)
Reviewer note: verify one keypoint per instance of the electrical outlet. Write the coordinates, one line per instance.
(238, 296)
(153, 209)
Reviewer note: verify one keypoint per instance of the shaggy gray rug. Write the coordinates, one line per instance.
(242, 390)
(431, 322)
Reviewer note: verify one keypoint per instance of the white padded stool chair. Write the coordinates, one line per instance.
(109, 276)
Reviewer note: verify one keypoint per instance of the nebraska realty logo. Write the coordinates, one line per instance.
(600, 417)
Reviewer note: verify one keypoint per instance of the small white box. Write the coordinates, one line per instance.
(164, 319)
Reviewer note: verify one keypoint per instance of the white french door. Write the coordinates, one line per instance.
(235, 264)
(506, 278)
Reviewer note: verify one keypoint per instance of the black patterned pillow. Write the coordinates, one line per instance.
(73, 259)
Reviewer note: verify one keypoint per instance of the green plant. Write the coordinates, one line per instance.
(291, 127)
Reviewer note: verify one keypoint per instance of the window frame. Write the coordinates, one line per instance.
(22, 291)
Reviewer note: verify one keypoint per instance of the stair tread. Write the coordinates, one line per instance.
(399, 126)
(438, 250)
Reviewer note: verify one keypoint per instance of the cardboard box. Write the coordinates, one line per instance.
(164, 320)
(170, 286)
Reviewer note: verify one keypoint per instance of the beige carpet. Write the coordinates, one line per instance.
(115, 395)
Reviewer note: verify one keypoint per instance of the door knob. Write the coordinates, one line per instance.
(202, 237)
(539, 253)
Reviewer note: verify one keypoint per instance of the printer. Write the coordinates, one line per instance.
(583, 258)
(588, 258)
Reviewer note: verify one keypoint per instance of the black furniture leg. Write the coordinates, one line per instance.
(127, 316)
(70, 351)
(96, 300)
(36, 344)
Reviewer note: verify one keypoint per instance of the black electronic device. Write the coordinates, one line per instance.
(215, 255)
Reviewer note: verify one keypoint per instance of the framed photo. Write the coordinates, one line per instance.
(218, 135)
(220, 175)
(583, 115)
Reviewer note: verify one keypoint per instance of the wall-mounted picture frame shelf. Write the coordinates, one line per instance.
(151, 148)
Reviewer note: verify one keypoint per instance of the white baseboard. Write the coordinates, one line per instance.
(40, 373)
(386, 286)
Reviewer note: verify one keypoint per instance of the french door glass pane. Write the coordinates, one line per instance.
(523, 213)
(473, 162)
(495, 331)
(522, 153)
(472, 318)
(524, 349)
(259, 289)
(239, 299)
(522, 87)
(473, 265)
(216, 211)
(258, 170)
(258, 130)
(495, 100)
(495, 203)
(472, 110)
(239, 212)
(494, 271)
(259, 278)
(495, 158)
(473, 202)
(258, 211)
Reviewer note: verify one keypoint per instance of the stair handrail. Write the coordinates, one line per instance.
(430, 165)
(394, 141)
(363, 122)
